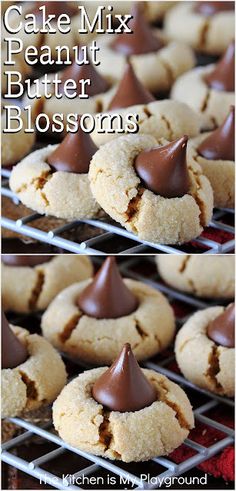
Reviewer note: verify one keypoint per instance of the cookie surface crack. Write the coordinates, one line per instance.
(163, 397)
(204, 105)
(214, 368)
(203, 34)
(36, 292)
(200, 203)
(178, 414)
(184, 264)
(69, 327)
(105, 435)
(31, 391)
(133, 206)
(140, 330)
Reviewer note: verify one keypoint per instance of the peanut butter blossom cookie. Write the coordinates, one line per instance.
(215, 152)
(26, 359)
(149, 187)
(166, 118)
(209, 90)
(91, 320)
(209, 276)
(205, 349)
(156, 62)
(30, 283)
(206, 26)
(123, 412)
(54, 180)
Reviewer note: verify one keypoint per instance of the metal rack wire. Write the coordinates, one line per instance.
(108, 236)
(162, 467)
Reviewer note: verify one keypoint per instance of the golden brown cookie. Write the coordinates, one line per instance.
(201, 32)
(204, 362)
(220, 172)
(61, 194)
(149, 328)
(118, 189)
(35, 382)
(204, 276)
(212, 105)
(26, 289)
(128, 436)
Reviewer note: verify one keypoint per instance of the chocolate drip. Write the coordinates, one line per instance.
(74, 154)
(34, 260)
(164, 170)
(221, 329)
(140, 41)
(220, 144)
(130, 91)
(124, 387)
(107, 297)
(210, 8)
(222, 76)
(78, 72)
(14, 353)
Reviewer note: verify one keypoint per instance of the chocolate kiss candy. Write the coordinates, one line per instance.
(211, 8)
(12, 260)
(164, 169)
(140, 41)
(219, 145)
(77, 72)
(73, 154)
(54, 8)
(222, 77)
(107, 297)
(123, 387)
(221, 329)
(130, 91)
(13, 351)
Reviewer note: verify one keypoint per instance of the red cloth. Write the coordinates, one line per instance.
(222, 464)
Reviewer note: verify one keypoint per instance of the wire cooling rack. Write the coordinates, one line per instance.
(128, 475)
(107, 236)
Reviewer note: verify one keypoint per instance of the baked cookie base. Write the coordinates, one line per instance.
(221, 174)
(212, 105)
(61, 194)
(208, 276)
(35, 382)
(149, 330)
(210, 35)
(201, 360)
(26, 289)
(151, 217)
(136, 436)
